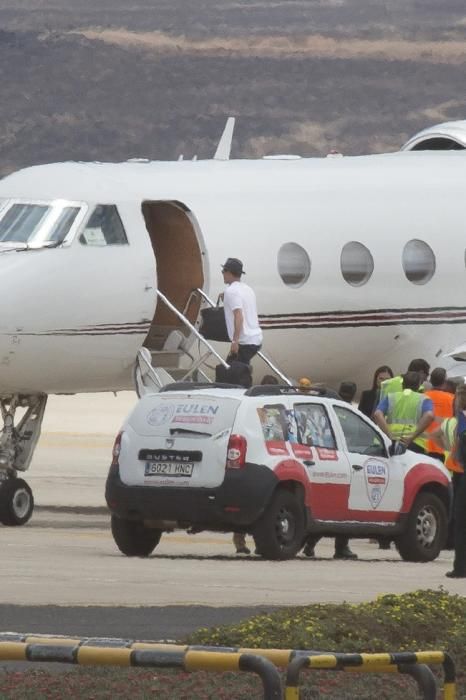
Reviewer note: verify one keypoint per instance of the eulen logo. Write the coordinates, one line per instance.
(376, 475)
(160, 415)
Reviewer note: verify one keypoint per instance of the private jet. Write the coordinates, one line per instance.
(105, 269)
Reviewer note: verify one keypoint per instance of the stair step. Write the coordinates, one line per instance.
(166, 358)
(157, 336)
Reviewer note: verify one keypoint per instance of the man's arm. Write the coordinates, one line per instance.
(379, 418)
(238, 327)
(424, 423)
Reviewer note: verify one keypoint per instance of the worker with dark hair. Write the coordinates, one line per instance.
(405, 415)
(391, 386)
(443, 408)
(347, 391)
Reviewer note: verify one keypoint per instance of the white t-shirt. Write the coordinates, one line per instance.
(239, 295)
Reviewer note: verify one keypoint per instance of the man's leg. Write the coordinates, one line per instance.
(239, 540)
(310, 543)
(342, 550)
(459, 564)
(246, 353)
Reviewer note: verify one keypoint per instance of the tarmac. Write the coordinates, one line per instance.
(66, 555)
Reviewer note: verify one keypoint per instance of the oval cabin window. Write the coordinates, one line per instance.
(294, 264)
(418, 261)
(357, 263)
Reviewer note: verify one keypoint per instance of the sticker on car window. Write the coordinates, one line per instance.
(275, 428)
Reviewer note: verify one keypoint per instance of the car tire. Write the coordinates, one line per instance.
(426, 529)
(16, 502)
(279, 533)
(132, 538)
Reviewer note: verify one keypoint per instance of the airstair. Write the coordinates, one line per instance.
(171, 353)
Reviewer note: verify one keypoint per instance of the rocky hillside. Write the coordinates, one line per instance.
(158, 78)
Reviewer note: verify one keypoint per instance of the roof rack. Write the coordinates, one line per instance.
(284, 389)
(192, 386)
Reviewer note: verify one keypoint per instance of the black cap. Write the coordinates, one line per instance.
(234, 266)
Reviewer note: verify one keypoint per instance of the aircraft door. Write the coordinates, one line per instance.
(175, 241)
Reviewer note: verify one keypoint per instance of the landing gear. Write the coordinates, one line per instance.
(17, 444)
(16, 502)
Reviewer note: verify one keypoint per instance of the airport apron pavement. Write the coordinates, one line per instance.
(65, 556)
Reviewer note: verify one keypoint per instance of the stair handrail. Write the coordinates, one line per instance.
(192, 328)
(263, 357)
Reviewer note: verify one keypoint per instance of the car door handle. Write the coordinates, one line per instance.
(309, 463)
(357, 467)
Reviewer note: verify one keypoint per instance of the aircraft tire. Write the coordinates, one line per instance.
(132, 538)
(426, 529)
(279, 532)
(16, 502)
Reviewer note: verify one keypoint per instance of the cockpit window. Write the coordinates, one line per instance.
(104, 227)
(36, 225)
(22, 221)
(62, 225)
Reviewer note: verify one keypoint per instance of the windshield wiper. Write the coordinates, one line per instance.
(186, 431)
(12, 246)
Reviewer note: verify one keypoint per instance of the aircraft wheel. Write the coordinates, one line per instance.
(16, 502)
(132, 538)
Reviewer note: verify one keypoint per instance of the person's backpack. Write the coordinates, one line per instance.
(237, 373)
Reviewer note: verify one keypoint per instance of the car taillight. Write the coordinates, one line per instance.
(236, 452)
(116, 449)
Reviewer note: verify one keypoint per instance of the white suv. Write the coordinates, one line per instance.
(272, 462)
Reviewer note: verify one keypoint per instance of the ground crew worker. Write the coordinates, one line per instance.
(405, 415)
(459, 563)
(391, 386)
(443, 408)
(445, 437)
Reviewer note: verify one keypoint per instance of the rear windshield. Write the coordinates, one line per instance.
(170, 415)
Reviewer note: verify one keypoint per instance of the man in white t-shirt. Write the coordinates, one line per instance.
(241, 318)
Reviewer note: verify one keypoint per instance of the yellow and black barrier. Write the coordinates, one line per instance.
(188, 660)
(194, 658)
(410, 663)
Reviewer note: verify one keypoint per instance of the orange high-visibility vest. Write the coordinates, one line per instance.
(449, 435)
(443, 408)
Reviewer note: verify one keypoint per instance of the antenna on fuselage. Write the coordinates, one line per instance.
(224, 145)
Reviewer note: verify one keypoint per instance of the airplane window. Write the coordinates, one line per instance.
(294, 265)
(357, 263)
(418, 261)
(22, 221)
(62, 225)
(104, 227)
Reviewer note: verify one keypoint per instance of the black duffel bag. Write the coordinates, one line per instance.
(238, 373)
(213, 325)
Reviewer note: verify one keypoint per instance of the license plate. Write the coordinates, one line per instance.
(169, 469)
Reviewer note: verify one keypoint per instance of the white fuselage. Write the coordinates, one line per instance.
(73, 317)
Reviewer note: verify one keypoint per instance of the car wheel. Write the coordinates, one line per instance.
(426, 529)
(279, 532)
(16, 502)
(132, 538)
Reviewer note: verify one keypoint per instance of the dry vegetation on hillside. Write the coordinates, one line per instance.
(157, 79)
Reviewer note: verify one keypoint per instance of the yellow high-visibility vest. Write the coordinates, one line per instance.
(404, 413)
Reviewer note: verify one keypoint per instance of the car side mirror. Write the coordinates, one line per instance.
(397, 448)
